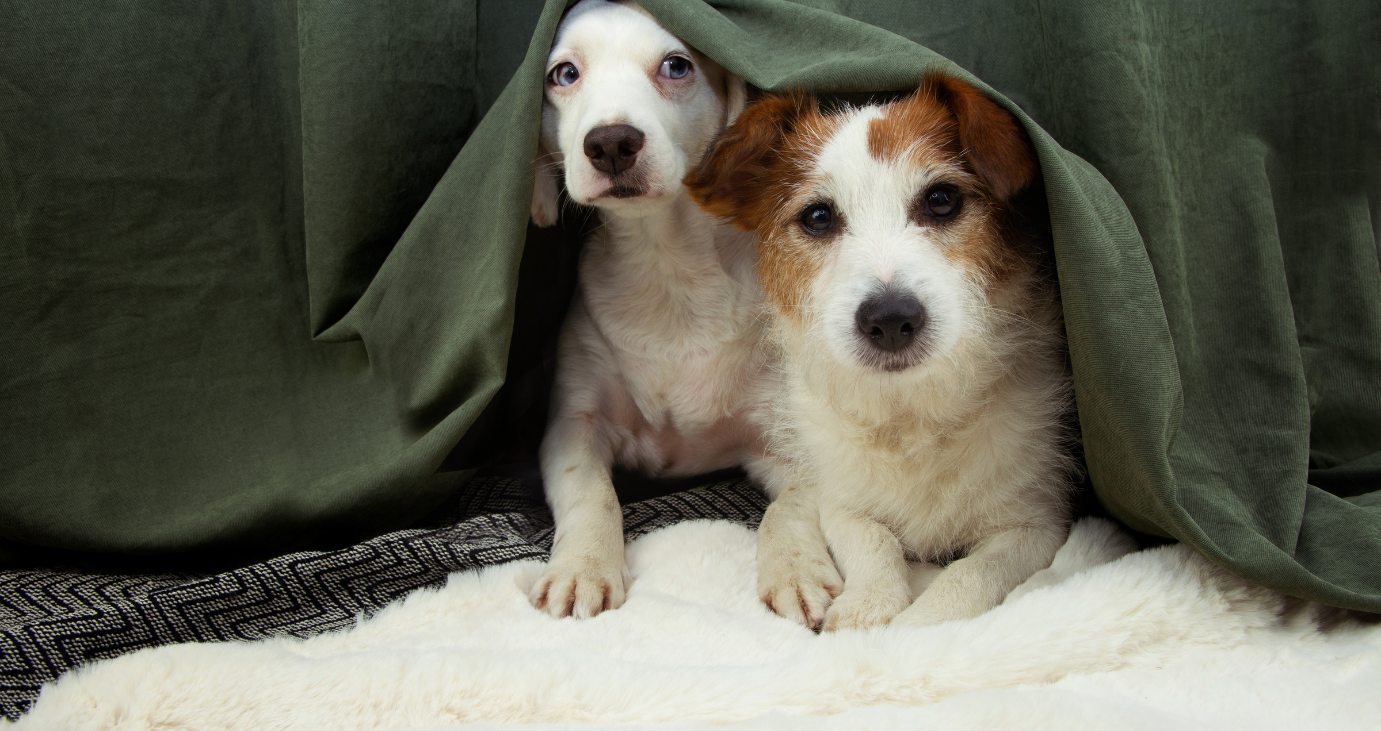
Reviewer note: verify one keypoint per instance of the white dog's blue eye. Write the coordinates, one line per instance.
(676, 67)
(563, 75)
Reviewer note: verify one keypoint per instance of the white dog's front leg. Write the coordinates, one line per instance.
(874, 567)
(982, 579)
(796, 576)
(586, 573)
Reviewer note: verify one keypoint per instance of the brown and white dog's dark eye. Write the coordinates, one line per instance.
(942, 202)
(818, 219)
(563, 75)
(676, 67)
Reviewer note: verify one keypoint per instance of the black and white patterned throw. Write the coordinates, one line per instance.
(52, 621)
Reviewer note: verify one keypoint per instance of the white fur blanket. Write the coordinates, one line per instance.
(1157, 639)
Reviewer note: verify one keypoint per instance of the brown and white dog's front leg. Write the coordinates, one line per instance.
(797, 578)
(982, 579)
(586, 573)
(874, 567)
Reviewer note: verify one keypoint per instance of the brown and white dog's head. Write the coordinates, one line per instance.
(882, 231)
(628, 110)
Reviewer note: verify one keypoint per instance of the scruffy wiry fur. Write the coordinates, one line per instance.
(954, 444)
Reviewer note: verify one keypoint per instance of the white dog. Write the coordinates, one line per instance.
(660, 363)
(924, 397)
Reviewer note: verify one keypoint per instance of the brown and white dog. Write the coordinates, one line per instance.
(661, 365)
(924, 395)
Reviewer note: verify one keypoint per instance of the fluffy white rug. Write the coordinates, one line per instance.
(1105, 638)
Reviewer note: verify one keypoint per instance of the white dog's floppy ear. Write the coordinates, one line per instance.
(735, 96)
(546, 187)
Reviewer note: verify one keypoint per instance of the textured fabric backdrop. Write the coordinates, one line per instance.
(263, 281)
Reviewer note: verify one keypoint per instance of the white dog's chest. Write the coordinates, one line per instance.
(690, 366)
(693, 408)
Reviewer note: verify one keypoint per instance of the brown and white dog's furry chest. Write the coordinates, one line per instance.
(943, 467)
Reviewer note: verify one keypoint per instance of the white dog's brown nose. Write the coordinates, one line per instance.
(613, 148)
(890, 320)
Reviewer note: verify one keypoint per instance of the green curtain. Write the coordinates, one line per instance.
(253, 298)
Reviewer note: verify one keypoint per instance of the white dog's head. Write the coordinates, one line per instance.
(884, 239)
(628, 110)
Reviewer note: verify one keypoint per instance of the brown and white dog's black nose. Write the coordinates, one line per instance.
(613, 148)
(890, 320)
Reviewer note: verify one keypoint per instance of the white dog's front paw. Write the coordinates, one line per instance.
(863, 609)
(799, 589)
(579, 588)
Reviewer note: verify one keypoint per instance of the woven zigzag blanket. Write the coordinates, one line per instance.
(54, 621)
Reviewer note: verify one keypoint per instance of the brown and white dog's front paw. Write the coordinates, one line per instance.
(863, 609)
(580, 588)
(799, 588)
(797, 577)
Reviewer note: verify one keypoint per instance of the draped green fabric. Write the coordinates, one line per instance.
(266, 279)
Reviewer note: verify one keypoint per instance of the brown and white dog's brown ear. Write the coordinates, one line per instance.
(992, 139)
(546, 187)
(731, 179)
